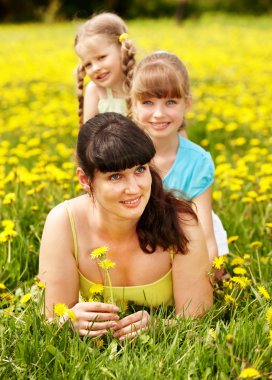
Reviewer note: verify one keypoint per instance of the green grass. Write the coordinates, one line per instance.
(230, 64)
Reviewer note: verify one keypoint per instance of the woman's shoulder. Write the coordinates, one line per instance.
(60, 213)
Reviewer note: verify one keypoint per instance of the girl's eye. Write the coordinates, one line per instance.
(171, 101)
(147, 102)
(114, 177)
(141, 169)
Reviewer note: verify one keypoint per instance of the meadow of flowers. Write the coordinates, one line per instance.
(230, 63)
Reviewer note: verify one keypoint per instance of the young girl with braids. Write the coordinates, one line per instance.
(107, 57)
(160, 96)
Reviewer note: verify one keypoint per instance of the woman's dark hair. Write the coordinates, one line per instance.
(110, 142)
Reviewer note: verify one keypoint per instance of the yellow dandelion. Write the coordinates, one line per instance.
(264, 260)
(249, 373)
(264, 292)
(237, 261)
(60, 309)
(269, 224)
(217, 195)
(232, 239)
(71, 315)
(239, 270)
(212, 333)
(6, 296)
(9, 198)
(218, 262)
(228, 285)
(99, 252)
(246, 257)
(270, 338)
(40, 284)
(96, 289)
(242, 281)
(26, 298)
(269, 316)
(2, 286)
(99, 343)
(106, 264)
(230, 300)
(256, 244)
(229, 338)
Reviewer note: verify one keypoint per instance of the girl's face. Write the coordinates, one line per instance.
(102, 61)
(161, 118)
(123, 194)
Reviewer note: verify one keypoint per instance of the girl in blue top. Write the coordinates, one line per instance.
(161, 97)
(107, 57)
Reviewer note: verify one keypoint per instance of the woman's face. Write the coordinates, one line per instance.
(123, 194)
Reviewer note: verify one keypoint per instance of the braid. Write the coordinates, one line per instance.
(128, 62)
(80, 71)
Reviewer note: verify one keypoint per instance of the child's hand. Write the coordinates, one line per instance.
(132, 325)
(95, 318)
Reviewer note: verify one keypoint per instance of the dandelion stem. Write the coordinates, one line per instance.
(9, 252)
(259, 265)
(110, 286)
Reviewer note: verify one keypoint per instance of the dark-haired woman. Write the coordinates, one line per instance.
(154, 239)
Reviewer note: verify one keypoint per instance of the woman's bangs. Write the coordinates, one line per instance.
(117, 156)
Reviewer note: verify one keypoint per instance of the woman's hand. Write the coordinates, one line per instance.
(95, 318)
(131, 325)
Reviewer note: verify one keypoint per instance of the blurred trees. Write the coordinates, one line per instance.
(48, 10)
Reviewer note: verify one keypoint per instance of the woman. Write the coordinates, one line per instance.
(125, 209)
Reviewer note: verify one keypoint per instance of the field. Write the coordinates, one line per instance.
(230, 63)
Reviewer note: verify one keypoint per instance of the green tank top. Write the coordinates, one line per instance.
(157, 293)
(111, 104)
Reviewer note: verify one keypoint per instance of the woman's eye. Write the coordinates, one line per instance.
(87, 65)
(147, 102)
(114, 177)
(102, 57)
(171, 101)
(141, 169)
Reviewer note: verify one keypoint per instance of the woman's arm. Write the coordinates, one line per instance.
(59, 272)
(193, 292)
(91, 99)
(203, 204)
(57, 266)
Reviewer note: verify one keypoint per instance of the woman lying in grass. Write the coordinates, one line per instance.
(154, 240)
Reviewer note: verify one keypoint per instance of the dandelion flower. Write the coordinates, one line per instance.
(232, 239)
(256, 244)
(2, 286)
(264, 292)
(26, 298)
(106, 264)
(71, 315)
(218, 262)
(60, 309)
(96, 289)
(270, 338)
(268, 224)
(40, 285)
(230, 300)
(242, 281)
(239, 270)
(212, 333)
(249, 373)
(269, 316)
(237, 261)
(99, 343)
(99, 252)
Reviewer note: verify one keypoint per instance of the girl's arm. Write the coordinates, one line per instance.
(193, 292)
(59, 272)
(203, 204)
(91, 99)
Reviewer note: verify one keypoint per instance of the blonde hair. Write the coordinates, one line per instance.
(111, 27)
(160, 75)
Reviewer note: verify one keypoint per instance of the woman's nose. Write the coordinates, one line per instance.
(132, 186)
